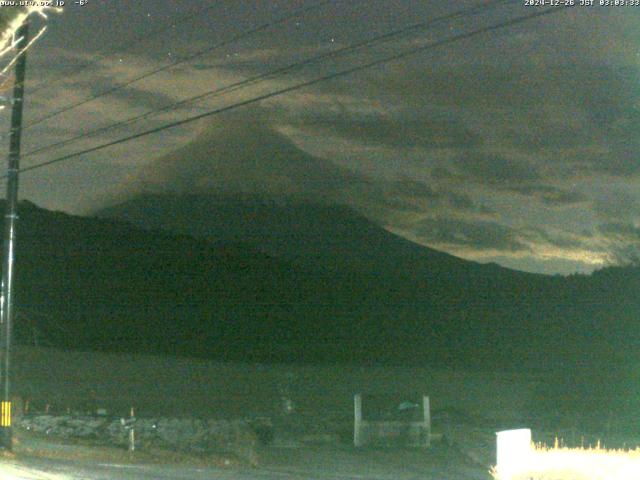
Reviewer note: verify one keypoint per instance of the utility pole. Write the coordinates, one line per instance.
(11, 216)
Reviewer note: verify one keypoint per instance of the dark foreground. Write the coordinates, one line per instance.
(310, 462)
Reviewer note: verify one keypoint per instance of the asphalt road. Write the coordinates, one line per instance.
(380, 468)
(59, 470)
(57, 461)
(56, 470)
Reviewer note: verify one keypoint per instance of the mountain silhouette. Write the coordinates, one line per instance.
(366, 296)
(389, 299)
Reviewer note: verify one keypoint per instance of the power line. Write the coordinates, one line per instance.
(236, 38)
(258, 78)
(299, 86)
(134, 42)
(398, 56)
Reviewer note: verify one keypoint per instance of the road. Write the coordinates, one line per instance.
(55, 470)
(63, 470)
(47, 469)
(292, 464)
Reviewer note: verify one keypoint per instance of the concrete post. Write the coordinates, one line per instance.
(427, 420)
(357, 420)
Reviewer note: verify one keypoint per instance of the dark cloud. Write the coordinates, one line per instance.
(523, 85)
(460, 201)
(495, 169)
(623, 242)
(546, 134)
(395, 204)
(203, 66)
(423, 194)
(620, 231)
(616, 206)
(133, 95)
(551, 195)
(505, 174)
(416, 189)
(443, 173)
(557, 239)
(480, 235)
(571, 114)
(406, 128)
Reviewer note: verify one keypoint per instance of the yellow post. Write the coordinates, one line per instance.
(5, 420)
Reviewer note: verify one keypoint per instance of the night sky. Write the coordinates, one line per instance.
(518, 146)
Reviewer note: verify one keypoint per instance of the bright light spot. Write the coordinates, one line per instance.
(514, 450)
(14, 20)
(542, 463)
(7, 37)
(590, 257)
(15, 58)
